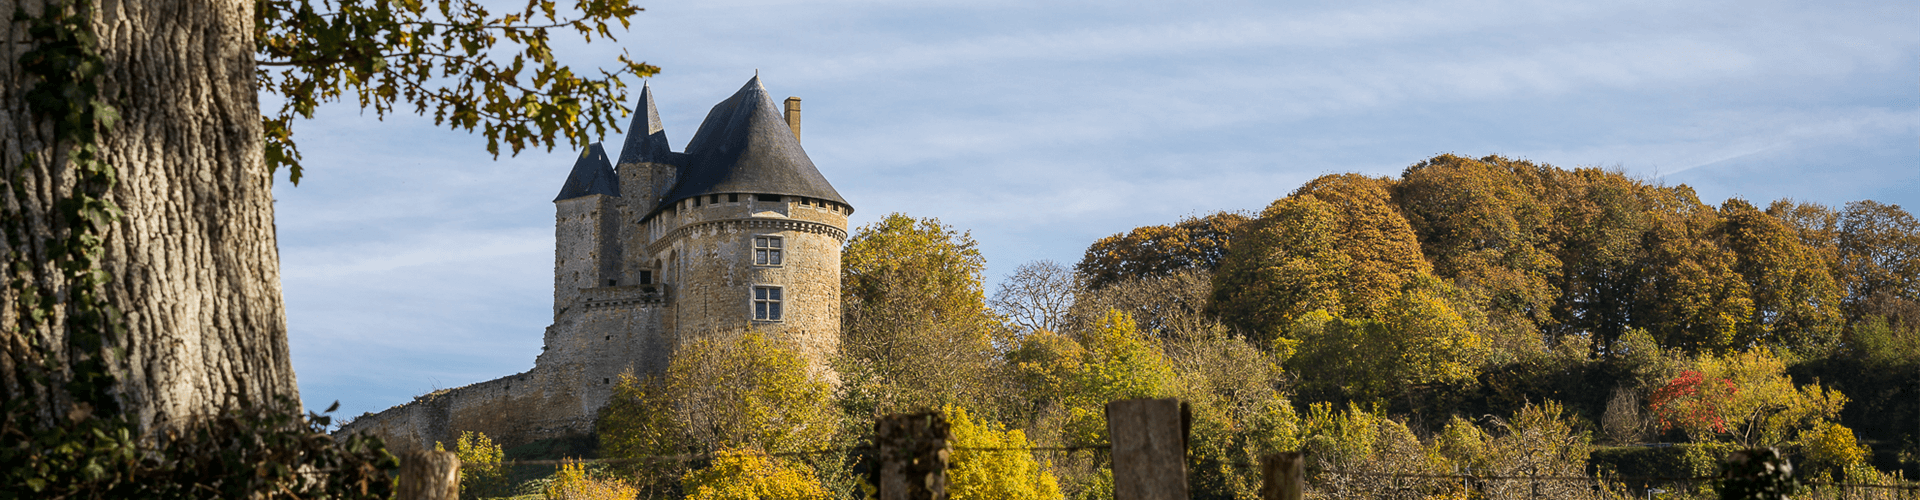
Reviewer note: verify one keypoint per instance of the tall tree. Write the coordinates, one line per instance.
(1284, 265)
(1484, 227)
(915, 329)
(1338, 243)
(1154, 251)
(143, 275)
(1689, 296)
(1880, 254)
(1796, 302)
(1600, 220)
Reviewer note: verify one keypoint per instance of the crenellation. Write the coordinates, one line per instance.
(739, 232)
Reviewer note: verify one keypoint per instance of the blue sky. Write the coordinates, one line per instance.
(413, 261)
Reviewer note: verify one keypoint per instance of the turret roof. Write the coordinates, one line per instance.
(646, 139)
(591, 175)
(745, 146)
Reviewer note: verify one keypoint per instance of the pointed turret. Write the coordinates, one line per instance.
(747, 146)
(646, 139)
(591, 175)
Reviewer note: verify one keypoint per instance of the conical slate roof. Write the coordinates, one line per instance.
(591, 175)
(646, 139)
(745, 146)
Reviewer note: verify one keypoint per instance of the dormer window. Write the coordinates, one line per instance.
(766, 250)
(766, 303)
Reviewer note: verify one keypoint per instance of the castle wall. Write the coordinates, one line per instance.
(615, 330)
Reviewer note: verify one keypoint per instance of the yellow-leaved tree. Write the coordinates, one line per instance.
(746, 474)
(1420, 339)
(1003, 474)
(1071, 378)
(574, 482)
(1767, 408)
(481, 474)
(750, 392)
(915, 328)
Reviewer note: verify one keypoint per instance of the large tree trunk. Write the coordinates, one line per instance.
(194, 263)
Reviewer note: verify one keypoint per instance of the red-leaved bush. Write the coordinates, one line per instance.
(1693, 402)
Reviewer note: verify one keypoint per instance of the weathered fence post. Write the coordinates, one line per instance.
(429, 475)
(1285, 476)
(913, 455)
(1149, 449)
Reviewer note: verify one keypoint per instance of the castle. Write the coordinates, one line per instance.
(739, 231)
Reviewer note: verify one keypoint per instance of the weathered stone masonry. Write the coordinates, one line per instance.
(739, 231)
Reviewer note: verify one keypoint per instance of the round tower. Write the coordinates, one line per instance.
(744, 232)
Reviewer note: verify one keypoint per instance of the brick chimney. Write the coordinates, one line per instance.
(793, 116)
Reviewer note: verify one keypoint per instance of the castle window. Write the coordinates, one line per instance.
(696, 201)
(766, 250)
(766, 303)
(646, 277)
(714, 198)
(774, 198)
(733, 197)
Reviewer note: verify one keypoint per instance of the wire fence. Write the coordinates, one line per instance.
(1146, 443)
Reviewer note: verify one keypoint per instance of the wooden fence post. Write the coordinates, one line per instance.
(1285, 476)
(913, 451)
(429, 475)
(1149, 448)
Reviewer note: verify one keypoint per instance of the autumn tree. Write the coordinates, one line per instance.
(1537, 439)
(1600, 219)
(481, 474)
(1485, 228)
(1285, 264)
(1066, 381)
(1745, 397)
(915, 328)
(987, 466)
(1420, 340)
(1337, 244)
(751, 475)
(1796, 302)
(1689, 296)
(743, 393)
(1153, 251)
(1880, 255)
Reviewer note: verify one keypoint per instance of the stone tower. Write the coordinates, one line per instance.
(740, 231)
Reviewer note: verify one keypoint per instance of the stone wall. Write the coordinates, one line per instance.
(615, 329)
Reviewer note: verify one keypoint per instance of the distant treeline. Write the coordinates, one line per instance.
(1468, 286)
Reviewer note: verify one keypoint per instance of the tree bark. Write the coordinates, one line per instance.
(193, 260)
